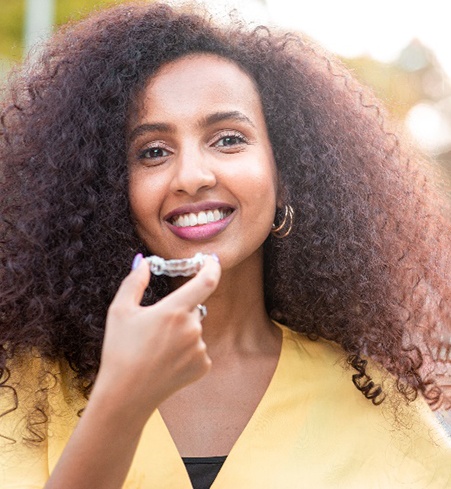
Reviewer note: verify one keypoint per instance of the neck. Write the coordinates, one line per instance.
(237, 320)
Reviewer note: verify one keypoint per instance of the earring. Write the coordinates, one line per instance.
(284, 228)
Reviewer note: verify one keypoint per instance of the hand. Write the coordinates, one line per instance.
(151, 352)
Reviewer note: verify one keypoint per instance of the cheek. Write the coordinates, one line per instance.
(259, 188)
(134, 197)
(264, 183)
(143, 197)
(263, 190)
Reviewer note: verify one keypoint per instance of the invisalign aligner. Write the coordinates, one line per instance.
(183, 267)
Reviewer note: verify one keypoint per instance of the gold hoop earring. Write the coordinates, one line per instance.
(284, 228)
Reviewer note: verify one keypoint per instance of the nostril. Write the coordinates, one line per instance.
(193, 180)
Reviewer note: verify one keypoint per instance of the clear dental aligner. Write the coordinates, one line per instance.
(183, 267)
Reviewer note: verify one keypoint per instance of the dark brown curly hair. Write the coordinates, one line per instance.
(366, 264)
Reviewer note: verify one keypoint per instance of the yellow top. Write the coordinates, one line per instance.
(312, 429)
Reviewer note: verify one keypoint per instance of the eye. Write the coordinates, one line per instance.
(153, 153)
(230, 140)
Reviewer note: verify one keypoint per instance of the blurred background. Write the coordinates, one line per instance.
(401, 48)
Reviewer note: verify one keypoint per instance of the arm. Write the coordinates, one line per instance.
(148, 354)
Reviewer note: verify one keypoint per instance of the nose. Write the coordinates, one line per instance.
(193, 173)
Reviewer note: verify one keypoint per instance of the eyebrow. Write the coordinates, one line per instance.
(222, 116)
(143, 128)
(208, 120)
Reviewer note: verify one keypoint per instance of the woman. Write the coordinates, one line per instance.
(151, 131)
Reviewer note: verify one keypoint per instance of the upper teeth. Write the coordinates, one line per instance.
(202, 217)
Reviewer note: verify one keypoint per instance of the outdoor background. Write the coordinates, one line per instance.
(402, 48)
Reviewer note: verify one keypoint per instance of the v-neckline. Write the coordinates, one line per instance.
(251, 426)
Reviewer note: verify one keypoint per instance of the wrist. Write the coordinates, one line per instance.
(117, 405)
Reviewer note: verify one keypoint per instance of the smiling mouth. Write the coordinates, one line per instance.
(200, 218)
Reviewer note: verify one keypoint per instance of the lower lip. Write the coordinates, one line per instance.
(203, 231)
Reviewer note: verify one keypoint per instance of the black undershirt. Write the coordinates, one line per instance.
(203, 470)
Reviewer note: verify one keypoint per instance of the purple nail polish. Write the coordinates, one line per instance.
(215, 257)
(137, 261)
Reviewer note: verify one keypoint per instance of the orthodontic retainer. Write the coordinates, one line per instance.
(183, 267)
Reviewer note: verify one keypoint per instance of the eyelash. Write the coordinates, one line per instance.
(157, 146)
(144, 154)
(233, 135)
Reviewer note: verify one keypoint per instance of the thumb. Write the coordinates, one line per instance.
(135, 283)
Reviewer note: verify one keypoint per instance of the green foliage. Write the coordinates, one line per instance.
(75, 9)
(398, 88)
(12, 15)
(11, 29)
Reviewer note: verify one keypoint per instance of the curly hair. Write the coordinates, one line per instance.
(367, 260)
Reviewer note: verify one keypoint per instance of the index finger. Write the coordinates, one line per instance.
(199, 288)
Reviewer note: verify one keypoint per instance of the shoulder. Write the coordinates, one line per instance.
(324, 360)
(33, 393)
(39, 406)
(396, 436)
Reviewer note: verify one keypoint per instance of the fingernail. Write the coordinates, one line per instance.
(215, 257)
(137, 261)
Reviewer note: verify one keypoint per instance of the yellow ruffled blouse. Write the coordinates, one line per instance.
(312, 429)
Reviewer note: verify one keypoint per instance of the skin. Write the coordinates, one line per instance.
(211, 375)
(178, 157)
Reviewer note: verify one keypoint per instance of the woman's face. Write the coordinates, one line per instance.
(202, 174)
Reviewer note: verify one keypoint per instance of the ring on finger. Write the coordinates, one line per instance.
(202, 310)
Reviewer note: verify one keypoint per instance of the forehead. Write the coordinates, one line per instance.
(203, 80)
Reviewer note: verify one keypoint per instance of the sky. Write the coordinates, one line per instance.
(353, 27)
(380, 29)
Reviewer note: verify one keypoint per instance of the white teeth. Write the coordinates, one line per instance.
(202, 217)
(192, 219)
